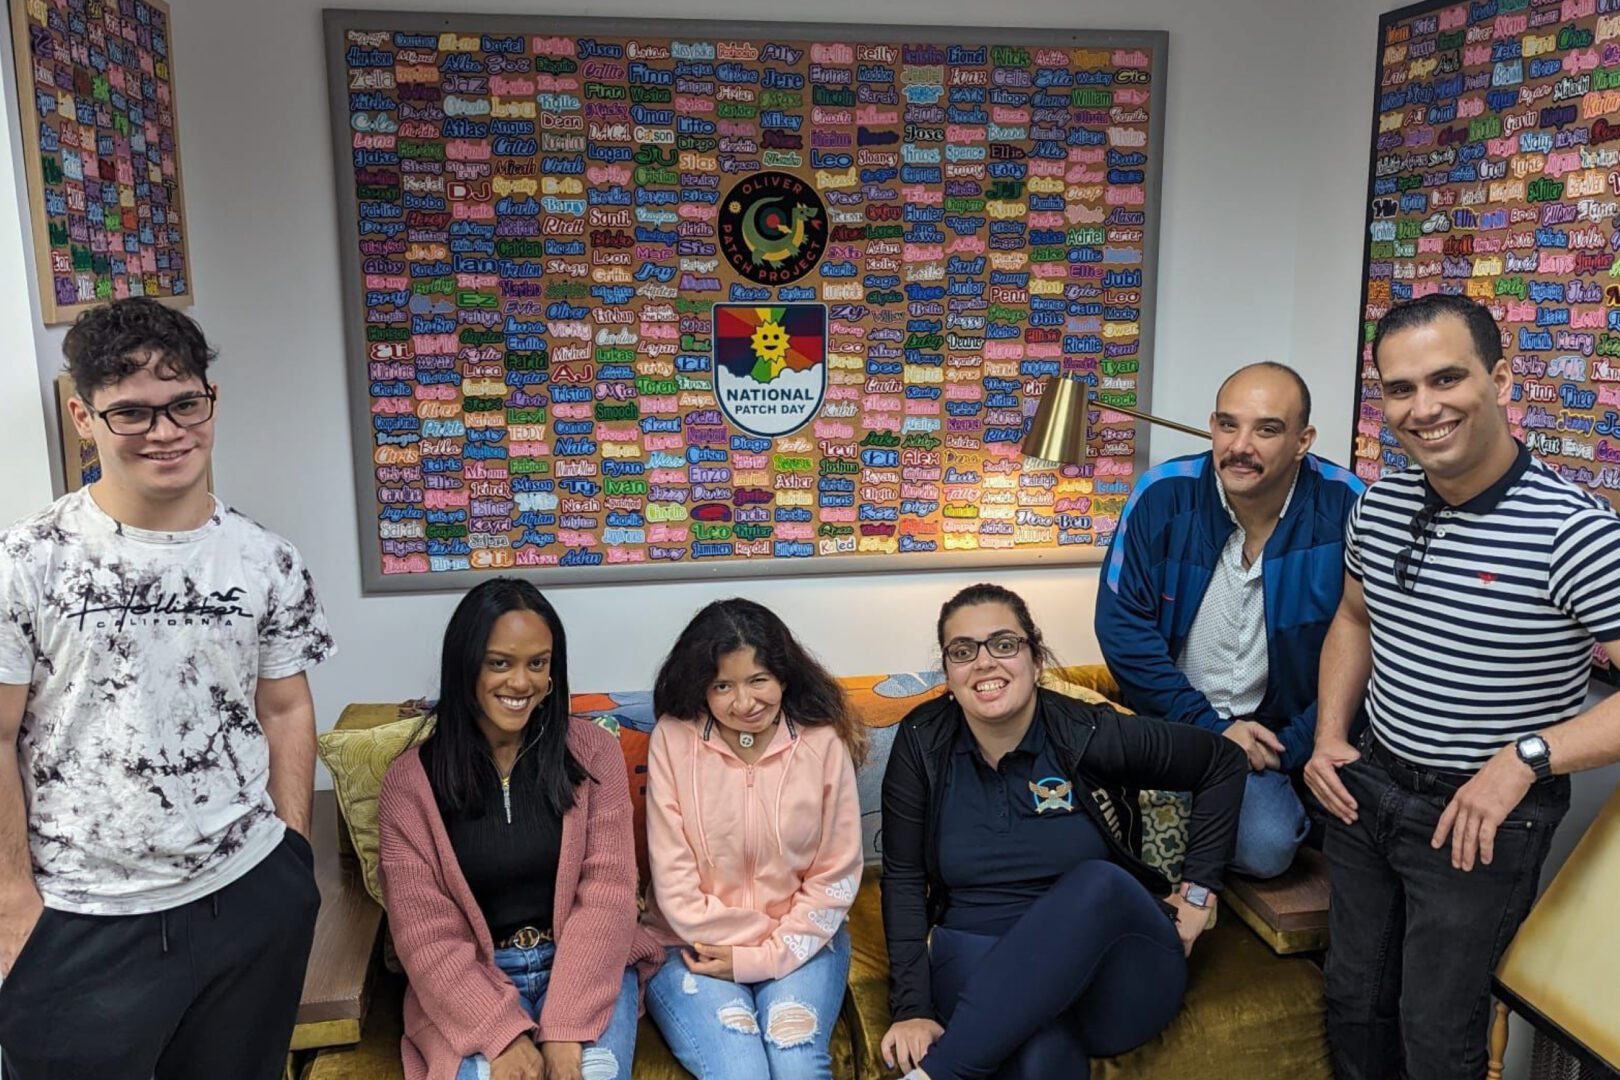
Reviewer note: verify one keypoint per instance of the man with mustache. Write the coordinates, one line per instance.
(1219, 587)
(1477, 580)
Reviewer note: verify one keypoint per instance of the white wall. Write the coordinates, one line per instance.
(25, 475)
(259, 191)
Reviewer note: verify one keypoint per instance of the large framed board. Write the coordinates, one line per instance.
(1495, 174)
(95, 84)
(632, 300)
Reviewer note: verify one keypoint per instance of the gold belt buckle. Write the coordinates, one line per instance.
(527, 938)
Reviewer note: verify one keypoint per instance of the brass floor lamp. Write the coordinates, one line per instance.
(1061, 427)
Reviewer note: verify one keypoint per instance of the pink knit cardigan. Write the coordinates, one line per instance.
(458, 1002)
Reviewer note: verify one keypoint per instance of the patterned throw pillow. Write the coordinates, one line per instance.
(1165, 814)
(358, 759)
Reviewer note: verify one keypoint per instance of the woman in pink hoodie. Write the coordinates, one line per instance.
(754, 832)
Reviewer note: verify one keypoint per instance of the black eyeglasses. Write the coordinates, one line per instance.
(1000, 646)
(185, 412)
(1409, 560)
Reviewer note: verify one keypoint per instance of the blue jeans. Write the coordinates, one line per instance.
(713, 1025)
(609, 1057)
(1271, 825)
(1414, 941)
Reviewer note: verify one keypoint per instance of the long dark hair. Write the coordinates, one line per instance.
(810, 696)
(986, 593)
(456, 756)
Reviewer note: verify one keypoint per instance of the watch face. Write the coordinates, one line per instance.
(1533, 746)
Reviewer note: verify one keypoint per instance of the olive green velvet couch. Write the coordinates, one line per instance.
(1248, 1012)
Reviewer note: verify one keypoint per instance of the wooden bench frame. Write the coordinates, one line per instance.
(338, 983)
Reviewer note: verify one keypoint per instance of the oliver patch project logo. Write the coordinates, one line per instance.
(770, 371)
(773, 228)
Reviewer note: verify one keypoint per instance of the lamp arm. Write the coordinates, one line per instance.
(1184, 428)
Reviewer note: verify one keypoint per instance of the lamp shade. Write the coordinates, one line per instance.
(1057, 434)
(1561, 965)
(1061, 426)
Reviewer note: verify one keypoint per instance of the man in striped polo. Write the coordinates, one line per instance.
(1477, 580)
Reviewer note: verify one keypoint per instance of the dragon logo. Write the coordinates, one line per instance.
(773, 228)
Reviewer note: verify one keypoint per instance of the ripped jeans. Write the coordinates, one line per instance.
(778, 1029)
(609, 1057)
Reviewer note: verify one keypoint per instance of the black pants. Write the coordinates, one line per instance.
(202, 991)
(1092, 969)
(1414, 941)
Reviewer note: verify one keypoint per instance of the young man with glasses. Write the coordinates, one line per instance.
(1220, 583)
(1476, 582)
(157, 896)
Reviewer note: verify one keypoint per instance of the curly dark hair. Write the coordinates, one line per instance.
(114, 341)
(810, 696)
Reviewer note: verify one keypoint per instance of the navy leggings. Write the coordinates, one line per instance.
(1092, 969)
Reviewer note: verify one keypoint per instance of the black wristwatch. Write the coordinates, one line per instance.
(1533, 751)
(1198, 896)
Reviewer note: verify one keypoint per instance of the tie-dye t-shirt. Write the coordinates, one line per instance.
(143, 762)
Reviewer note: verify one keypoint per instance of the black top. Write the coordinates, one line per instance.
(511, 866)
(1008, 832)
(1108, 755)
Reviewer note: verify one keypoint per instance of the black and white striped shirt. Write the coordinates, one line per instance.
(1494, 640)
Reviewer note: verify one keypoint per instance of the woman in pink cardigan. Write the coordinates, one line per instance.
(754, 831)
(508, 864)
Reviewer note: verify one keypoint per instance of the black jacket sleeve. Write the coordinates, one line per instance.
(905, 878)
(1145, 753)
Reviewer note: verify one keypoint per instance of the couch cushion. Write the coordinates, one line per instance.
(866, 1005)
(358, 758)
(1247, 1013)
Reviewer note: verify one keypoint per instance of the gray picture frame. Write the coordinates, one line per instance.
(338, 21)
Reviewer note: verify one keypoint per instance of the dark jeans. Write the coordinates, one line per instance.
(1092, 969)
(1414, 941)
(207, 989)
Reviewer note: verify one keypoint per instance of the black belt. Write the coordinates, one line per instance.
(524, 937)
(1422, 779)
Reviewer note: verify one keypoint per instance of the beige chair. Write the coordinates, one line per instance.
(1559, 972)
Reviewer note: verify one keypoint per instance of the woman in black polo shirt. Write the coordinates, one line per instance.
(1025, 933)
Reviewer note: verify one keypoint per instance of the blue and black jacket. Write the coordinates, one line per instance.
(1163, 554)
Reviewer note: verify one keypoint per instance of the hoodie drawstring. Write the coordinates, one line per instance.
(697, 800)
(163, 929)
(781, 781)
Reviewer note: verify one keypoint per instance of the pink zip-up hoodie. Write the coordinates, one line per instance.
(766, 857)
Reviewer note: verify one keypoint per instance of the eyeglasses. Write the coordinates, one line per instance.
(1000, 646)
(1409, 560)
(185, 412)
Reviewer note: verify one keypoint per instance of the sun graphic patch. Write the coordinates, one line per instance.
(770, 371)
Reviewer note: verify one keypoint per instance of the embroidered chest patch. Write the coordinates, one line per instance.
(1052, 793)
